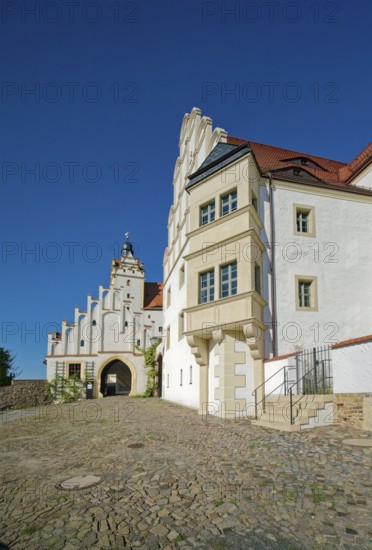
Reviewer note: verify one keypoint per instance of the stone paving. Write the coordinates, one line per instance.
(187, 483)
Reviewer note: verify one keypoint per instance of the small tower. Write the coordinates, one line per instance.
(127, 249)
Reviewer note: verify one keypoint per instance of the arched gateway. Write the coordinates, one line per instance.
(116, 379)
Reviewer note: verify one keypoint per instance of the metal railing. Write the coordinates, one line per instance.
(313, 375)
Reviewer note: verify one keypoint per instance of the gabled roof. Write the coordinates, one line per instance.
(153, 296)
(287, 165)
(276, 159)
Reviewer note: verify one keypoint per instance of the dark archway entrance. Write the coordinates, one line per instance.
(116, 379)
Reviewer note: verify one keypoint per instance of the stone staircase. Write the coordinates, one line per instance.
(311, 411)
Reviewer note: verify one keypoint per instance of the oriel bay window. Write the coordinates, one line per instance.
(228, 280)
(206, 286)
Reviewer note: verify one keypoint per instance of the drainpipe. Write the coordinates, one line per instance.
(272, 265)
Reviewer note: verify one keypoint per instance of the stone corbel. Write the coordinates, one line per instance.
(199, 349)
(255, 339)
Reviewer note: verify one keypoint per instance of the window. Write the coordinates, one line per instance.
(228, 280)
(128, 282)
(306, 289)
(128, 296)
(229, 203)
(182, 275)
(207, 213)
(74, 369)
(160, 329)
(82, 343)
(181, 377)
(168, 297)
(304, 220)
(94, 323)
(206, 286)
(181, 325)
(304, 294)
(167, 380)
(257, 279)
(190, 374)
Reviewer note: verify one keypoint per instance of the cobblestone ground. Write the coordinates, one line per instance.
(193, 484)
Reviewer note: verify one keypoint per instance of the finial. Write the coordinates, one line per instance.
(127, 236)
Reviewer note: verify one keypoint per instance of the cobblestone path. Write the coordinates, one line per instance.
(188, 483)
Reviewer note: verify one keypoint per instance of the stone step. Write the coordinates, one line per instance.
(276, 415)
(306, 398)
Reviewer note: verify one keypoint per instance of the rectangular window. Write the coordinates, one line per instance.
(160, 329)
(168, 297)
(207, 213)
(229, 203)
(228, 280)
(304, 220)
(206, 286)
(307, 293)
(190, 374)
(74, 369)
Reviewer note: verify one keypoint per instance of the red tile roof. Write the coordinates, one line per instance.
(277, 160)
(352, 341)
(153, 296)
(355, 166)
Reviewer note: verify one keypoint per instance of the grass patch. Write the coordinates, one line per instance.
(30, 529)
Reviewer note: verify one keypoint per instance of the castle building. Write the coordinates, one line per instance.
(101, 344)
(269, 251)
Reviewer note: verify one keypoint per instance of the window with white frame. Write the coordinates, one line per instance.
(206, 286)
(228, 280)
(304, 220)
(229, 203)
(304, 293)
(207, 213)
(307, 293)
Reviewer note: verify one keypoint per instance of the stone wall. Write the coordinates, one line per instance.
(352, 410)
(24, 393)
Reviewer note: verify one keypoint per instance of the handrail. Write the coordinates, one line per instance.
(291, 403)
(256, 403)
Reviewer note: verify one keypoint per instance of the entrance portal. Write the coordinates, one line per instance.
(116, 379)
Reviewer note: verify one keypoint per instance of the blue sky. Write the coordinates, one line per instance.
(111, 84)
